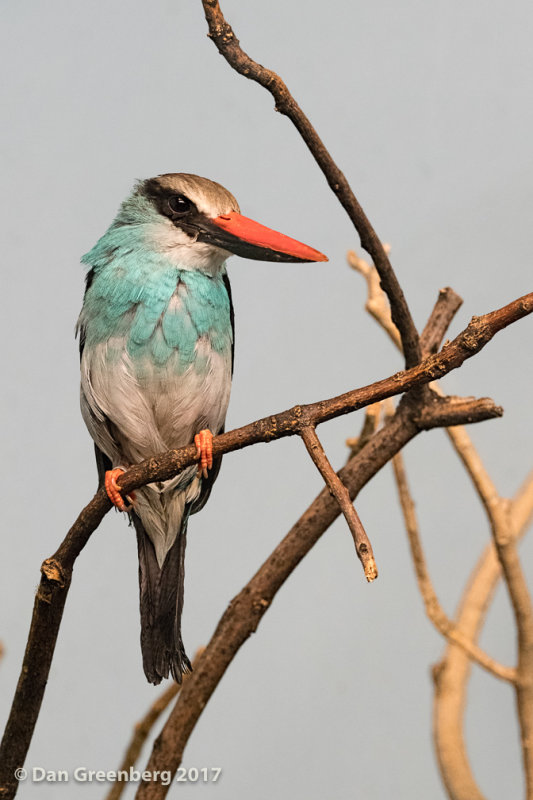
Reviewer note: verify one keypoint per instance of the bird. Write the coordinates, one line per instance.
(156, 336)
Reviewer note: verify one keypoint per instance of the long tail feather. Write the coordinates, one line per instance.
(161, 605)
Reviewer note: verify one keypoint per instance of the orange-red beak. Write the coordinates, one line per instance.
(250, 239)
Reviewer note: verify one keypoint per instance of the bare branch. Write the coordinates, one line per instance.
(376, 304)
(522, 505)
(502, 525)
(447, 305)
(370, 426)
(452, 673)
(246, 610)
(228, 45)
(475, 468)
(460, 409)
(499, 515)
(57, 570)
(434, 610)
(338, 490)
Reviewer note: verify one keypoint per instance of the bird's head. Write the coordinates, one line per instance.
(197, 224)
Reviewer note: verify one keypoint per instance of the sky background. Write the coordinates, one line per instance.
(427, 108)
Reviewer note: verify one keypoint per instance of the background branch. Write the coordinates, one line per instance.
(499, 513)
(451, 674)
(434, 610)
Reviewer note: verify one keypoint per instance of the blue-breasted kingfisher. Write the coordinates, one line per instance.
(156, 337)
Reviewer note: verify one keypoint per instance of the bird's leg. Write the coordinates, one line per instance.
(204, 451)
(113, 491)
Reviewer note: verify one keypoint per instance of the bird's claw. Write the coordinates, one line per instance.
(113, 490)
(204, 451)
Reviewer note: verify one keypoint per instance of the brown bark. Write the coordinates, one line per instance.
(245, 611)
(228, 46)
(57, 570)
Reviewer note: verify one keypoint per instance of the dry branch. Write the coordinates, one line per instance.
(376, 301)
(370, 426)
(434, 610)
(363, 547)
(499, 512)
(452, 672)
(449, 692)
(228, 46)
(57, 570)
(245, 611)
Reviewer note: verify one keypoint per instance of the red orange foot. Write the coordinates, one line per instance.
(204, 451)
(113, 491)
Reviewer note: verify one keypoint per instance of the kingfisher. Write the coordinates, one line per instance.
(156, 334)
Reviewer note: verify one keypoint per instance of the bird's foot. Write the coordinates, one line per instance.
(113, 491)
(204, 451)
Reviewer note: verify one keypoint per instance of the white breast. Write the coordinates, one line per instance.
(151, 408)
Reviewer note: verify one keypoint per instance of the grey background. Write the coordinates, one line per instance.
(427, 108)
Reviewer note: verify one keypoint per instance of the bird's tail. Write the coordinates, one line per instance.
(161, 603)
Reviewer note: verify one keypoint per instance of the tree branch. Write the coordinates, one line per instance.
(376, 304)
(246, 609)
(57, 570)
(434, 610)
(452, 673)
(228, 46)
(499, 516)
(498, 513)
(370, 426)
(340, 493)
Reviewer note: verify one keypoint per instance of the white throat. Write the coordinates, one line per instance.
(183, 250)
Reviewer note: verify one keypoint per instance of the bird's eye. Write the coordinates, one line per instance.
(179, 204)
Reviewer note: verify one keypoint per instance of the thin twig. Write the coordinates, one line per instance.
(228, 45)
(376, 304)
(340, 492)
(434, 610)
(370, 426)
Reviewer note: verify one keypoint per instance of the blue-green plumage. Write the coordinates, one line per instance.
(130, 295)
(156, 344)
(157, 335)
